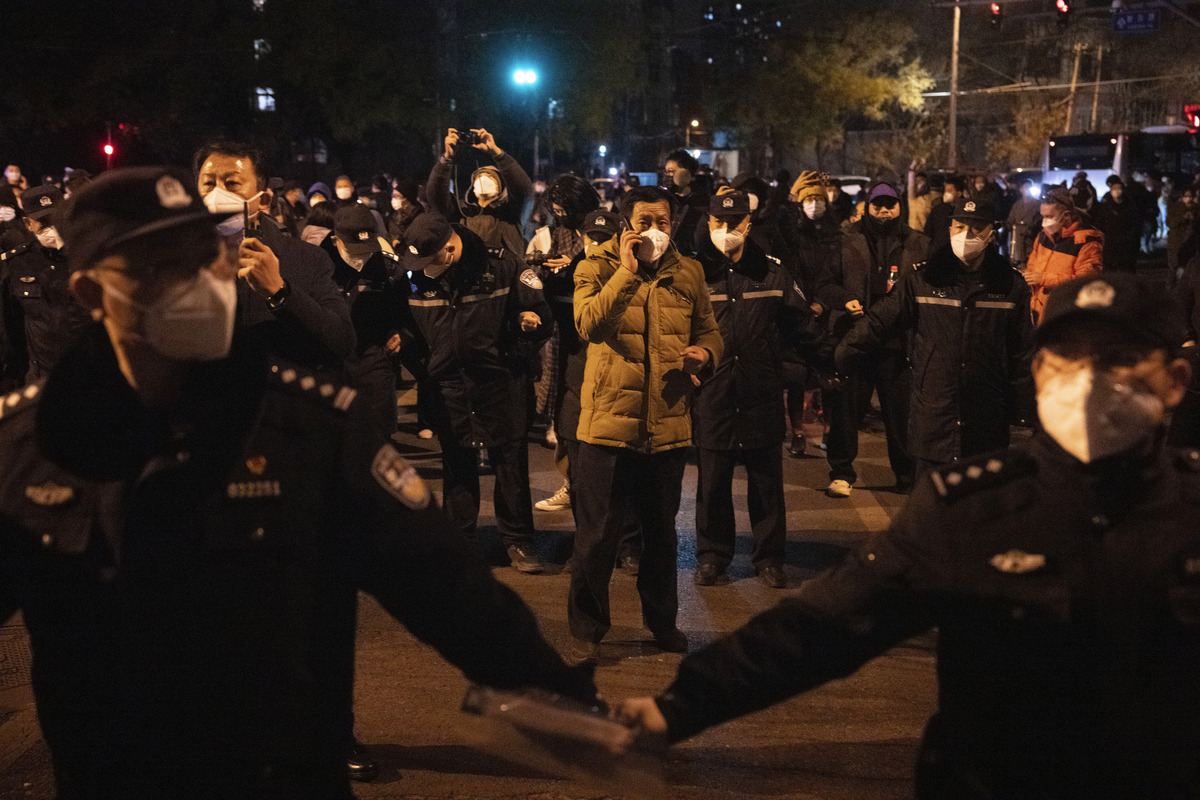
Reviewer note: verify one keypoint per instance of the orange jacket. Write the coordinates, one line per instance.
(1075, 251)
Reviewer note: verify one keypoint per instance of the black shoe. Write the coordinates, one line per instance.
(630, 565)
(671, 641)
(525, 559)
(797, 447)
(359, 764)
(773, 576)
(580, 652)
(709, 575)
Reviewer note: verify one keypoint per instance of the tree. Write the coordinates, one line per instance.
(1033, 122)
(811, 84)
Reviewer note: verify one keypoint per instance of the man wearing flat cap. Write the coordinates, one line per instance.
(1063, 577)
(39, 310)
(480, 312)
(179, 514)
(965, 312)
(738, 413)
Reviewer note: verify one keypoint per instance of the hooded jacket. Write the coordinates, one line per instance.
(635, 392)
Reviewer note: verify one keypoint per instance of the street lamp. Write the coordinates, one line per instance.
(528, 78)
(524, 77)
(687, 134)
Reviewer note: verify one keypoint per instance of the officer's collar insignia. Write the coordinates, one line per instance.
(28, 278)
(399, 478)
(1096, 294)
(256, 464)
(412, 248)
(530, 279)
(50, 494)
(1018, 562)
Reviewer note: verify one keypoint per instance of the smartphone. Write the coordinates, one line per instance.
(247, 231)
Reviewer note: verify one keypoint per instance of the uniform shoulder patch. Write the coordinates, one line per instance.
(16, 251)
(304, 382)
(399, 478)
(20, 400)
(920, 265)
(967, 477)
(531, 279)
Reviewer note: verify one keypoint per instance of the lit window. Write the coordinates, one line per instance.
(259, 5)
(264, 99)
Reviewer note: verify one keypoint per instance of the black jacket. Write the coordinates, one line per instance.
(498, 224)
(760, 310)
(850, 277)
(1121, 224)
(41, 311)
(468, 319)
(559, 288)
(1067, 600)
(313, 327)
(970, 344)
(178, 572)
(376, 298)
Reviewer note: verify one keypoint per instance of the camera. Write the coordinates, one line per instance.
(469, 137)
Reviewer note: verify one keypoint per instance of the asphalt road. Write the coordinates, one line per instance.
(854, 739)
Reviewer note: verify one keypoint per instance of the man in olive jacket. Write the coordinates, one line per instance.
(645, 313)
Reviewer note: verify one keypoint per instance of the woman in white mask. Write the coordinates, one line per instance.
(1067, 247)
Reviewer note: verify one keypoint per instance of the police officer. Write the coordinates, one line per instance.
(1063, 576)
(35, 275)
(178, 514)
(370, 279)
(480, 313)
(966, 313)
(737, 415)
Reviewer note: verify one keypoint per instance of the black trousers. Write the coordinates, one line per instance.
(374, 376)
(609, 483)
(631, 536)
(715, 529)
(888, 375)
(460, 487)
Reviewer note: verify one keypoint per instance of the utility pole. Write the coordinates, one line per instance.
(952, 160)
(1074, 84)
(1096, 88)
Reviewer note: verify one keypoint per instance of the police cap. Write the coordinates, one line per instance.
(128, 203)
(600, 226)
(1142, 310)
(354, 226)
(731, 204)
(424, 239)
(977, 212)
(41, 201)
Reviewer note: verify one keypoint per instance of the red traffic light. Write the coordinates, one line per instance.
(996, 9)
(108, 149)
(1063, 6)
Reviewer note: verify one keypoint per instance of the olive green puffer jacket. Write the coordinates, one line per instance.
(635, 392)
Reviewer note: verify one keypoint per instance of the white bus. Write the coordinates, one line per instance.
(1171, 150)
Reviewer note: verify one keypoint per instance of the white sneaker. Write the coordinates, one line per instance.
(551, 437)
(838, 488)
(558, 501)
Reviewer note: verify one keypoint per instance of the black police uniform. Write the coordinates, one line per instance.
(376, 299)
(970, 344)
(309, 326)
(176, 570)
(37, 292)
(468, 319)
(1067, 599)
(737, 414)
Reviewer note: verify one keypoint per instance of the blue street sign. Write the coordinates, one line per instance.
(1141, 21)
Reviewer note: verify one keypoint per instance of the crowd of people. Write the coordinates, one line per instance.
(203, 370)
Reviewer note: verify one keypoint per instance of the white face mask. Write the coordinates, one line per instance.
(1050, 224)
(223, 201)
(725, 240)
(435, 269)
(344, 193)
(191, 321)
(814, 208)
(486, 187)
(397, 203)
(49, 237)
(654, 244)
(1092, 416)
(966, 246)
